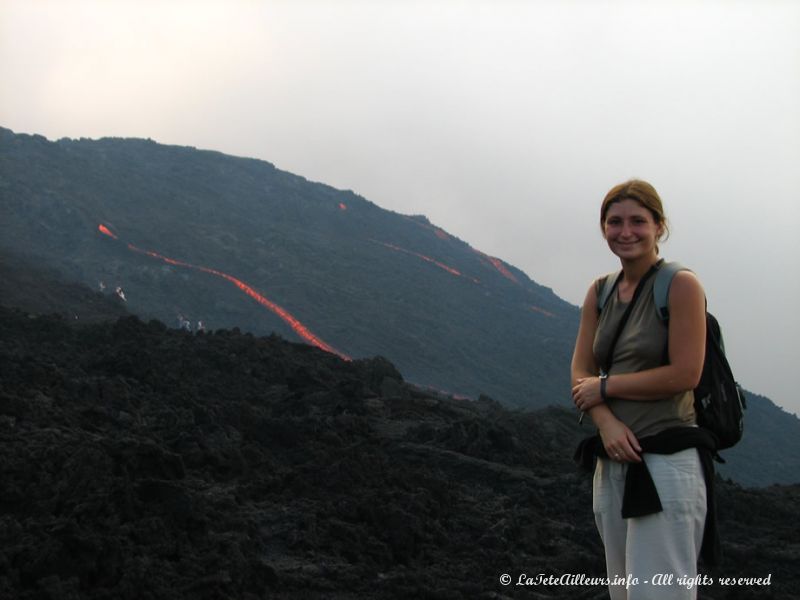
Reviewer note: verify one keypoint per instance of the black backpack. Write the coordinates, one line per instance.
(719, 401)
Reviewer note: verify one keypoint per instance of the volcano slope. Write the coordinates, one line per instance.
(236, 242)
(201, 234)
(144, 462)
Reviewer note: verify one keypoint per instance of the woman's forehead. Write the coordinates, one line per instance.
(627, 206)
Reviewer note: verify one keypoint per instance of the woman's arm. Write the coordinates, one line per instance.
(583, 363)
(619, 441)
(687, 337)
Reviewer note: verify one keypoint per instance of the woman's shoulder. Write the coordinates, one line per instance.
(599, 282)
(602, 287)
(685, 286)
(681, 276)
(674, 275)
(594, 292)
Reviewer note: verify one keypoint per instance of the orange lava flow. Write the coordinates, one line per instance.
(450, 270)
(546, 313)
(284, 314)
(502, 268)
(498, 264)
(106, 231)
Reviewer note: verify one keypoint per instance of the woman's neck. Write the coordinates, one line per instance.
(633, 271)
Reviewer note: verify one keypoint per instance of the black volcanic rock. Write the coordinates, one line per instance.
(43, 290)
(204, 236)
(145, 462)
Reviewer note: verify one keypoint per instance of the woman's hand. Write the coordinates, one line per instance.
(618, 440)
(586, 393)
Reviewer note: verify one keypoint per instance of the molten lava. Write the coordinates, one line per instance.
(502, 268)
(546, 313)
(296, 325)
(498, 264)
(441, 265)
(106, 231)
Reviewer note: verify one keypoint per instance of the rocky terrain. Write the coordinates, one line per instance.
(191, 235)
(143, 462)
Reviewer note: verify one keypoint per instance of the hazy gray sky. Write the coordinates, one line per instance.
(504, 121)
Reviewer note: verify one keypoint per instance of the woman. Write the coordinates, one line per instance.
(643, 407)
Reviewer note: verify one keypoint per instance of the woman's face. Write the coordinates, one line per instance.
(631, 230)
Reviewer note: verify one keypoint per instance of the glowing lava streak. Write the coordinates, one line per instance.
(450, 270)
(498, 264)
(106, 231)
(546, 313)
(502, 268)
(296, 325)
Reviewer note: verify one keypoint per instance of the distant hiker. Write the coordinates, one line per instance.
(653, 462)
(120, 294)
(200, 326)
(184, 323)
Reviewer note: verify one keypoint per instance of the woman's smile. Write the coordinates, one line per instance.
(630, 228)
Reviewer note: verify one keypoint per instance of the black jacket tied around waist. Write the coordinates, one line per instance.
(641, 497)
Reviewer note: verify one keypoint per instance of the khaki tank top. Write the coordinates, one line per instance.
(642, 345)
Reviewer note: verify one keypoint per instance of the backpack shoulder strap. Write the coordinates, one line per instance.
(661, 287)
(606, 289)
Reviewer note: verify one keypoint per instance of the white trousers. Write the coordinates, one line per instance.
(653, 554)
